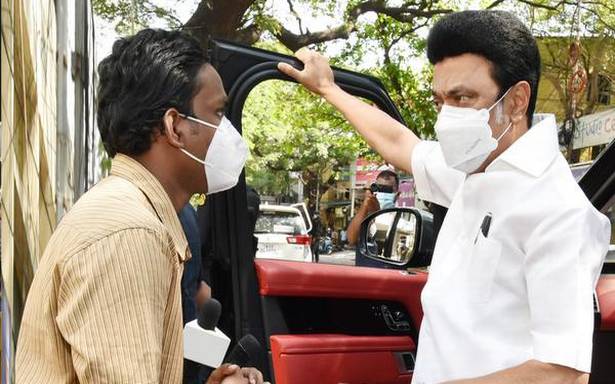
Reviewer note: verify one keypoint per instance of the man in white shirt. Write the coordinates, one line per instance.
(509, 295)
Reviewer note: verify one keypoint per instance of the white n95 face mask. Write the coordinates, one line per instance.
(465, 136)
(225, 158)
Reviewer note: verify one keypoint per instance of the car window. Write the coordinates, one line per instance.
(304, 151)
(286, 223)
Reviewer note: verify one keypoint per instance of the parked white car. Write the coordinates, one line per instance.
(283, 233)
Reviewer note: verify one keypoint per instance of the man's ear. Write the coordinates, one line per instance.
(520, 98)
(171, 121)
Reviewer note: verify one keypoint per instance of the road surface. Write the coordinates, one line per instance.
(345, 257)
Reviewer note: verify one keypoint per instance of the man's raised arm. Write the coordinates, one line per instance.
(391, 139)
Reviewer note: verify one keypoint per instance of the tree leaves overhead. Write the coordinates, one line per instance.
(290, 130)
(130, 16)
(559, 17)
(313, 140)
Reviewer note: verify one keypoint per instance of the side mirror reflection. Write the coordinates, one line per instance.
(396, 238)
(391, 236)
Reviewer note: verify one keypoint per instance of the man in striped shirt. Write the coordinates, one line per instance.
(105, 303)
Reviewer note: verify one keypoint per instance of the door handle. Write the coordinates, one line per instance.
(395, 322)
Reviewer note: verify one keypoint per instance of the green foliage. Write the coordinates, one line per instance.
(130, 16)
(105, 160)
(559, 18)
(401, 66)
(290, 130)
(413, 97)
(197, 200)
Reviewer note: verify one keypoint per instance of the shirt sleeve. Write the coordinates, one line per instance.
(562, 266)
(435, 181)
(111, 305)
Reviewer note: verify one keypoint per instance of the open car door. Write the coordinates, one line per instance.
(322, 323)
(598, 183)
(317, 323)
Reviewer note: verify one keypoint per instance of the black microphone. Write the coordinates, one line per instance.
(209, 314)
(247, 353)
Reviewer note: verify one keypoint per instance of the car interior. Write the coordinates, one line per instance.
(340, 323)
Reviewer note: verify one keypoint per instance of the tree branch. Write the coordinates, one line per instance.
(249, 35)
(599, 17)
(225, 19)
(546, 6)
(495, 4)
(387, 49)
(405, 14)
(293, 41)
(217, 18)
(292, 10)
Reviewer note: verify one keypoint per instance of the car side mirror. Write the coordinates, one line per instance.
(396, 238)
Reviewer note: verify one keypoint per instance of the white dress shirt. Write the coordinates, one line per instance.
(525, 291)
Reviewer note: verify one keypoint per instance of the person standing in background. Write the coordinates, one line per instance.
(375, 201)
(195, 291)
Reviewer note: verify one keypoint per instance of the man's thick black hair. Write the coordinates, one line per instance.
(499, 37)
(144, 76)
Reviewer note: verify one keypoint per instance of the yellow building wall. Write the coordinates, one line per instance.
(598, 58)
(28, 83)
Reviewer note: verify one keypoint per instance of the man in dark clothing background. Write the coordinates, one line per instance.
(254, 202)
(194, 290)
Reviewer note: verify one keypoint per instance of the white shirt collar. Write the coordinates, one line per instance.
(534, 151)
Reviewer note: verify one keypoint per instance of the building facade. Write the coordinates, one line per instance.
(596, 99)
(47, 124)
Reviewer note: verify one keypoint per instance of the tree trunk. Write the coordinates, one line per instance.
(222, 19)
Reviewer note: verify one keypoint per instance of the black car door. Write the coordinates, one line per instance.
(598, 183)
(276, 301)
(342, 322)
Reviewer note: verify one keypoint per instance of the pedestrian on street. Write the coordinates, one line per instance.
(382, 194)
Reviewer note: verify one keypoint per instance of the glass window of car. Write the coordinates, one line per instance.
(278, 222)
(302, 151)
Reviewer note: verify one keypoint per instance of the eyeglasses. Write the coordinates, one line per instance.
(375, 187)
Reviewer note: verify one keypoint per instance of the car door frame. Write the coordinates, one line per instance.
(598, 184)
(242, 68)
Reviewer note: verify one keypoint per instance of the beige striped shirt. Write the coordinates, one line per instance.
(105, 305)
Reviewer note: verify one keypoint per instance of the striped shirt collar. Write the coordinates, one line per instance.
(128, 168)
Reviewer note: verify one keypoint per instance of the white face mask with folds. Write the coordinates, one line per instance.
(225, 158)
(465, 136)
